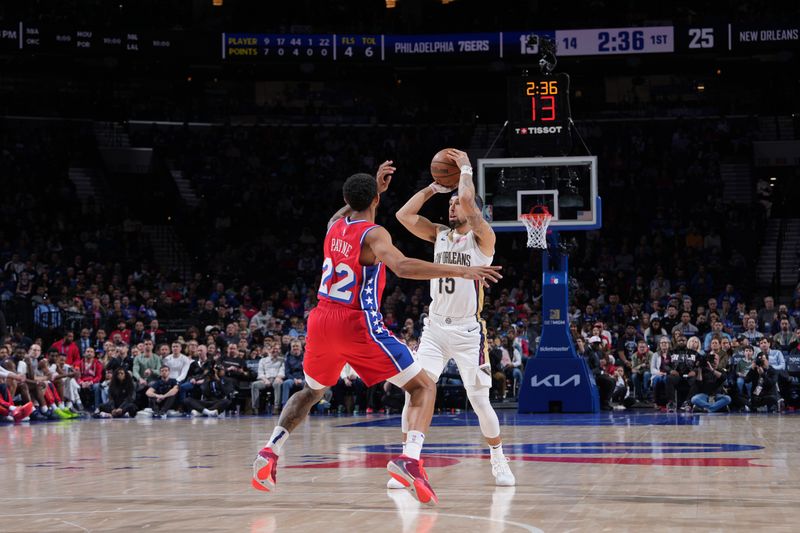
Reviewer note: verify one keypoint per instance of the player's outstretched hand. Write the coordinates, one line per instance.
(485, 274)
(438, 188)
(384, 175)
(460, 158)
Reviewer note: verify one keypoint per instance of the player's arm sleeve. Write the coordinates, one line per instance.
(484, 234)
(405, 267)
(409, 216)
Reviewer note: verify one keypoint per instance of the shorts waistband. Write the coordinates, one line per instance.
(326, 304)
(453, 321)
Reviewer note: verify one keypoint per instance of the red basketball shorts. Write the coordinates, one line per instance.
(339, 335)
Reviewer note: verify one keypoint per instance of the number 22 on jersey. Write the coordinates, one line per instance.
(343, 279)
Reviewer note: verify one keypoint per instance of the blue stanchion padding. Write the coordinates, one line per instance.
(560, 384)
(556, 378)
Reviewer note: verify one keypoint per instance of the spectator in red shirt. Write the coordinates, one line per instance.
(155, 333)
(247, 309)
(90, 376)
(174, 293)
(123, 331)
(68, 347)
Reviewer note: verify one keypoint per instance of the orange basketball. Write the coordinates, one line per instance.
(444, 170)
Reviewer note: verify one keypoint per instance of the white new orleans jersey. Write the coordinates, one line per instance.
(457, 297)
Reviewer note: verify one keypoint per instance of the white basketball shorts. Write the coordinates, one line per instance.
(463, 339)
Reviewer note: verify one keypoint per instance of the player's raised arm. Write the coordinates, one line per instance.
(383, 177)
(380, 242)
(409, 216)
(484, 233)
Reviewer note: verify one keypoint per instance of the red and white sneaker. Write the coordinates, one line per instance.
(411, 474)
(23, 412)
(265, 470)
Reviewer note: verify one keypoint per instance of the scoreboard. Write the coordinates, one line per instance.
(38, 38)
(20, 37)
(359, 47)
(539, 114)
(512, 46)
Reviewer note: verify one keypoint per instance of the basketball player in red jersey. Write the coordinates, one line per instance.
(347, 327)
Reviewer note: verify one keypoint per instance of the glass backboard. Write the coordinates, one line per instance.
(566, 185)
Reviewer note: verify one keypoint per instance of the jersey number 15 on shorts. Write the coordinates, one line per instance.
(345, 279)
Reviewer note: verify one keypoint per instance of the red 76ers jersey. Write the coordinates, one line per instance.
(345, 280)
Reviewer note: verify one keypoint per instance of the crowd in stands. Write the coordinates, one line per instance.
(662, 299)
(671, 351)
(696, 355)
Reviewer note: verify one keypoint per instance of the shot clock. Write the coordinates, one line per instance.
(539, 115)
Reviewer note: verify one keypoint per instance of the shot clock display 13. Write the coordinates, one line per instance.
(538, 115)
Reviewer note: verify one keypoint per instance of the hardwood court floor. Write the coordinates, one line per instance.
(609, 472)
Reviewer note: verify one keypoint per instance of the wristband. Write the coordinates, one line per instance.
(466, 169)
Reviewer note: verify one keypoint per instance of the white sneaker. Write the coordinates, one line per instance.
(147, 410)
(172, 413)
(503, 477)
(195, 413)
(213, 412)
(394, 484)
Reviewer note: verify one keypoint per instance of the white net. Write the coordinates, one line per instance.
(536, 224)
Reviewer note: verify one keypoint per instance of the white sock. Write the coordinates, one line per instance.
(413, 445)
(279, 437)
(496, 451)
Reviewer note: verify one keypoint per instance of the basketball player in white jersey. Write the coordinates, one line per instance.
(454, 327)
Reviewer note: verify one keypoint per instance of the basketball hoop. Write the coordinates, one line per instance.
(536, 223)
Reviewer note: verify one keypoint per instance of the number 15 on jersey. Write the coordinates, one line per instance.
(447, 285)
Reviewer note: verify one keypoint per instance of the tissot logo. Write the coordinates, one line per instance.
(554, 380)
